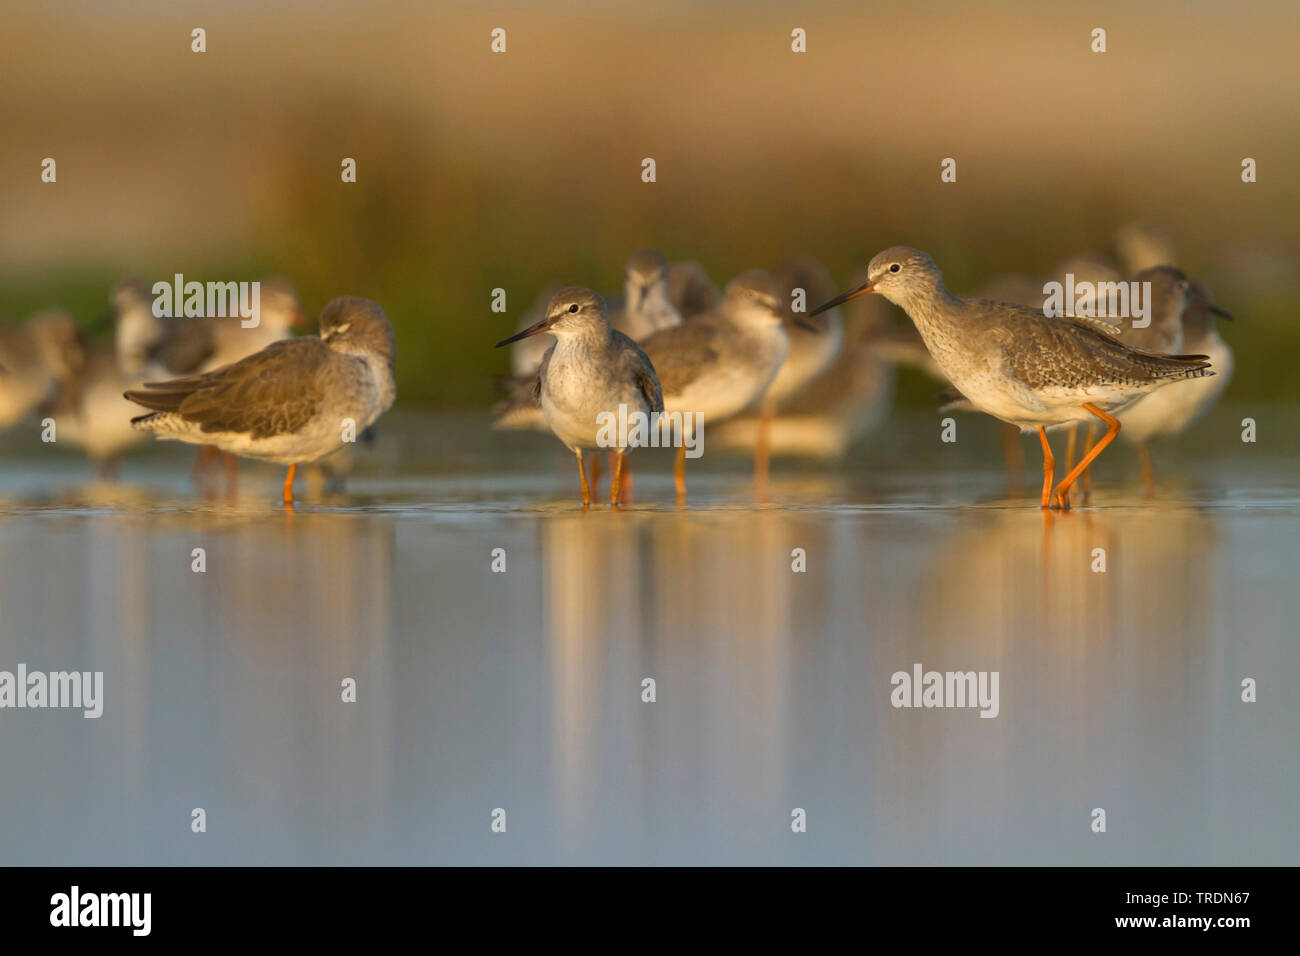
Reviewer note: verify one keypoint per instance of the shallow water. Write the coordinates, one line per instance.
(522, 690)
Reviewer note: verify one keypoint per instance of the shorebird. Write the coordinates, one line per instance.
(1019, 365)
(155, 347)
(809, 355)
(690, 289)
(591, 369)
(37, 359)
(1182, 318)
(851, 396)
(164, 345)
(94, 415)
(1021, 290)
(295, 401)
(720, 363)
(646, 307)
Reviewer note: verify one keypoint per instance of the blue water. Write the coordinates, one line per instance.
(522, 690)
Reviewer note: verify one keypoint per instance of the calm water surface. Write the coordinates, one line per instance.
(522, 690)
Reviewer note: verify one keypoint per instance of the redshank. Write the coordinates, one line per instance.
(690, 289)
(1182, 318)
(720, 363)
(1019, 365)
(92, 413)
(591, 369)
(646, 307)
(154, 347)
(37, 359)
(808, 357)
(852, 396)
(295, 401)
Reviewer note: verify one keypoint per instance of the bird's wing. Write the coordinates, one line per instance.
(541, 375)
(642, 371)
(272, 392)
(681, 353)
(1100, 326)
(1046, 352)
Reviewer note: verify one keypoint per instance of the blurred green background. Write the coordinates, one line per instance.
(479, 170)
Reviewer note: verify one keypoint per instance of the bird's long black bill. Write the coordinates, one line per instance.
(807, 326)
(1215, 310)
(841, 299)
(533, 329)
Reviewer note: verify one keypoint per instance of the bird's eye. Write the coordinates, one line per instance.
(573, 308)
(895, 267)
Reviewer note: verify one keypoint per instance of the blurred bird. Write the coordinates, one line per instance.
(295, 401)
(814, 345)
(154, 347)
(92, 414)
(646, 307)
(164, 345)
(37, 360)
(690, 289)
(1182, 318)
(722, 362)
(591, 369)
(850, 397)
(1019, 365)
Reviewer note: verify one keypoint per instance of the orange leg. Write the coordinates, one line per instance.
(582, 474)
(1112, 429)
(616, 486)
(1087, 475)
(625, 496)
(201, 461)
(1148, 474)
(288, 484)
(679, 473)
(1049, 467)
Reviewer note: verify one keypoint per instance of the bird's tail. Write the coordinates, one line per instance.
(1183, 366)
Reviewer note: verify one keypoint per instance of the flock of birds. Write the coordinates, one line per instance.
(255, 392)
(772, 376)
(768, 374)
